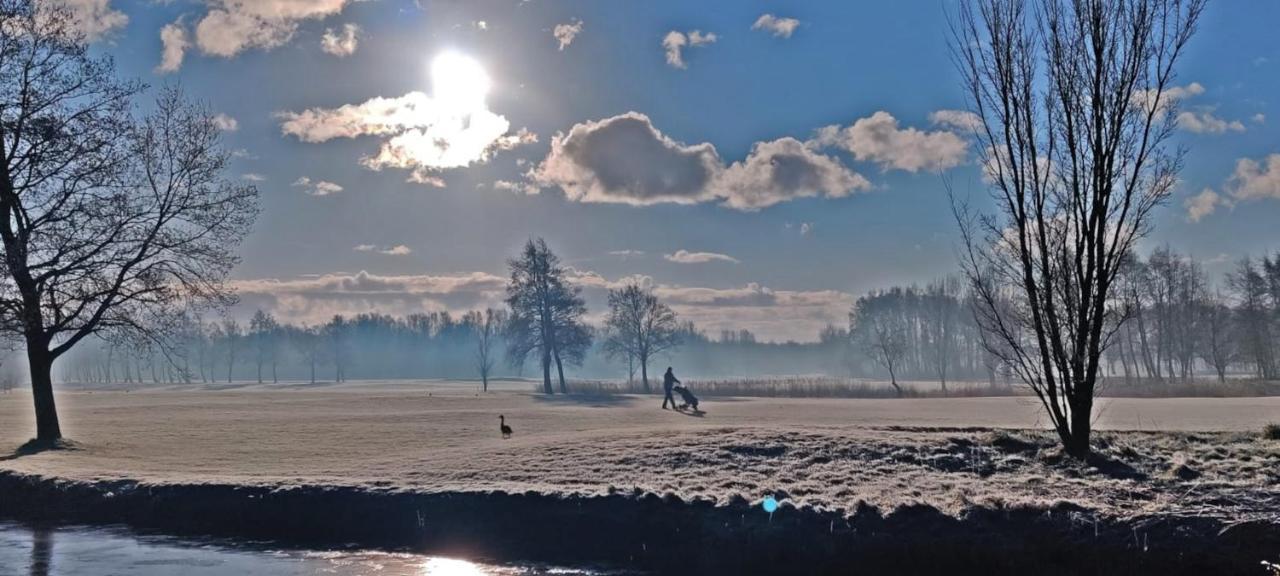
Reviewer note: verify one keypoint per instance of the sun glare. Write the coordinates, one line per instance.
(459, 81)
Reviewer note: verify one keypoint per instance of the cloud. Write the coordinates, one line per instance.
(1146, 99)
(962, 120)
(779, 27)
(776, 315)
(1202, 204)
(316, 187)
(518, 187)
(94, 19)
(419, 133)
(253, 177)
(878, 139)
(1259, 118)
(1254, 180)
(341, 43)
(624, 254)
(230, 27)
(397, 250)
(316, 299)
(806, 228)
(176, 41)
(1204, 122)
(565, 33)
(783, 170)
(225, 123)
(625, 159)
(675, 42)
(687, 257)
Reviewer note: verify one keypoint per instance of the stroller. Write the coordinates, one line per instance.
(690, 401)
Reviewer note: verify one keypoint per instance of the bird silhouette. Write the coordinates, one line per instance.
(502, 425)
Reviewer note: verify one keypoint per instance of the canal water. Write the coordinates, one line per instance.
(27, 550)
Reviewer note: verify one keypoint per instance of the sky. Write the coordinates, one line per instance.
(759, 163)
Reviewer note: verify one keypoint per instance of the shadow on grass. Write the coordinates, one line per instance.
(593, 400)
(35, 446)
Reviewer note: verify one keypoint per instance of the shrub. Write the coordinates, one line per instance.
(1271, 432)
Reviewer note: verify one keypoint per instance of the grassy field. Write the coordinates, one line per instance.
(1170, 454)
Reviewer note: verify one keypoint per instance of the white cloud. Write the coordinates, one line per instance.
(230, 27)
(675, 42)
(341, 43)
(316, 299)
(1253, 180)
(777, 315)
(779, 27)
(225, 123)
(420, 134)
(176, 41)
(316, 187)
(624, 254)
(397, 250)
(94, 19)
(782, 170)
(1204, 122)
(687, 257)
(566, 32)
(1259, 118)
(625, 159)
(878, 139)
(519, 187)
(962, 120)
(806, 228)
(253, 177)
(1202, 204)
(1146, 99)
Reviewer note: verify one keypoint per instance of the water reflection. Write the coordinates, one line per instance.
(92, 551)
(41, 551)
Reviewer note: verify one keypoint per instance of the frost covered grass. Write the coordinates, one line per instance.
(1198, 457)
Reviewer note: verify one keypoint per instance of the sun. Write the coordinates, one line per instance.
(459, 82)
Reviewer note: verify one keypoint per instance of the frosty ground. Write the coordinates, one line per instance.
(1200, 458)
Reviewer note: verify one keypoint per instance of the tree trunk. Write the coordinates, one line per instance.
(644, 373)
(546, 374)
(275, 379)
(313, 370)
(1077, 443)
(560, 371)
(41, 365)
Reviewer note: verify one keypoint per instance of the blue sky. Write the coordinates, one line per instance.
(647, 164)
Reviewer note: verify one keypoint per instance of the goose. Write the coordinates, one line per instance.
(502, 425)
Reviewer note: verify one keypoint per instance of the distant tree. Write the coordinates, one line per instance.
(640, 326)
(310, 341)
(546, 313)
(1074, 115)
(336, 336)
(232, 335)
(108, 222)
(941, 324)
(263, 329)
(1217, 345)
(488, 326)
(1254, 317)
(882, 333)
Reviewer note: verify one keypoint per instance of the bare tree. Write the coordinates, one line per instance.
(640, 326)
(231, 335)
(336, 334)
(546, 313)
(1075, 111)
(108, 223)
(878, 323)
(487, 329)
(263, 329)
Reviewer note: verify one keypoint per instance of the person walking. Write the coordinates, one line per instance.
(669, 381)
